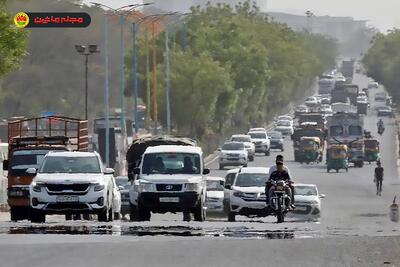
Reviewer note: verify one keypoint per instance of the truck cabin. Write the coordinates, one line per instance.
(139, 146)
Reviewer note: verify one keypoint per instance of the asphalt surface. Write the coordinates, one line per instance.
(354, 229)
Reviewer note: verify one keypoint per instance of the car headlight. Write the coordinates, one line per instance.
(145, 186)
(238, 194)
(98, 187)
(37, 187)
(193, 187)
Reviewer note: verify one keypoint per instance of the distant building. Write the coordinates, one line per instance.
(340, 28)
(184, 5)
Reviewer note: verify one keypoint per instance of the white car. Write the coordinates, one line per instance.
(247, 193)
(117, 199)
(307, 201)
(215, 196)
(233, 154)
(312, 101)
(285, 127)
(170, 178)
(259, 129)
(285, 118)
(246, 140)
(72, 183)
(261, 142)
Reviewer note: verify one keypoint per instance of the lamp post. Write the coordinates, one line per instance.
(106, 79)
(86, 51)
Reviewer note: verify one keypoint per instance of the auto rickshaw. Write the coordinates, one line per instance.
(371, 150)
(337, 158)
(310, 150)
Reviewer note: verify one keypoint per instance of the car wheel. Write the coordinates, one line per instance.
(282, 149)
(327, 170)
(117, 216)
(15, 214)
(133, 214)
(110, 214)
(268, 152)
(187, 216)
(251, 158)
(221, 167)
(38, 217)
(102, 215)
(199, 213)
(245, 165)
(143, 213)
(231, 217)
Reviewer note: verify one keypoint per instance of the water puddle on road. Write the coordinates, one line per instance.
(140, 231)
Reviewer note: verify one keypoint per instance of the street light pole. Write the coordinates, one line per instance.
(122, 76)
(155, 86)
(167, 80)
(134, 75)
(86, 86)
(106, 92)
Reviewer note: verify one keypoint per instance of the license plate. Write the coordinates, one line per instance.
(67, 199)
(169, 199)
(233, 159)
(279, 188)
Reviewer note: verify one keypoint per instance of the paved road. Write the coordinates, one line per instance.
(354, 230)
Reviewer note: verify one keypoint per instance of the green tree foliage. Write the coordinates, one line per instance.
(12, 42)
(256, 67)
(52, 75)
(382, 61)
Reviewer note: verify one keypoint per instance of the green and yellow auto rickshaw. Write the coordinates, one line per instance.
(337, 158)
(371, 150)
(310, 150)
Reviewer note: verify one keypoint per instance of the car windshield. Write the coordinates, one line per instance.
(305, 191)
(214, 185)
(240, 139)
(171, 163)
(21, 160)
(251, 179)
(355, 130)
(258, 135)
(233, 146)
(283, 123)
(336, 131)
(123, 181)
(61, 164)
(275, 135)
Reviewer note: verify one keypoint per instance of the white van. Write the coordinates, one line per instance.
(170, 178)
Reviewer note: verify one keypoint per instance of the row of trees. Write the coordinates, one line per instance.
(382, 61)
(238, 69)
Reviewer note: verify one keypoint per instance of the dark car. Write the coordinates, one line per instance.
(124, 185)
(276, 139)
(385, 112)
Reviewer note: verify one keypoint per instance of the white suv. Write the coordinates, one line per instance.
(170, 179)
(233, 154)
(71, 183)
(261, 141)
(246, 140)
(247, 193)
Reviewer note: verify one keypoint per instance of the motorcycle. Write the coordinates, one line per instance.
(381, 129)
(279, 200)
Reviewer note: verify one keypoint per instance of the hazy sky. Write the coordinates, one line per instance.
(383, 14)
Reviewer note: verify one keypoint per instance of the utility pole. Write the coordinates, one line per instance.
(134, 75)
(155, 86)
(122, 78)
(148, 82)
(167, 80)
(106, 92)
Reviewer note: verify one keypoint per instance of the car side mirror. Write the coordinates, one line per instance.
(5, 165)
(109, 171)
(222, 183)
(136, 170)
(228, 186)
(31, 171)
(322, 196)
(219, 149)
(206, 171)
(120, 188)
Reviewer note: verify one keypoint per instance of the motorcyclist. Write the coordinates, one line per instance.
(274, 168)
(279, 175)
(380, 124)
